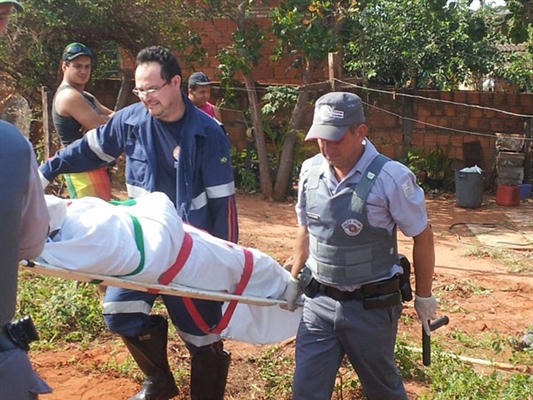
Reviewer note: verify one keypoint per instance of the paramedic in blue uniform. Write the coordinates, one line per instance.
(23, 230)
(172, 147)
(351, 200)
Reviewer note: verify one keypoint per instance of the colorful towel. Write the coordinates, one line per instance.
(94, 183)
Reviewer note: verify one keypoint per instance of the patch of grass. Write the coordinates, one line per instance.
(453, 379)
(515, 261)
(487, 341)
(276, 369)
(467, 288)
(408, 362)
(62, 310)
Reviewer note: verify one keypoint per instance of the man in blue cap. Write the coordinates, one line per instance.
(351, 199)
(200, 92)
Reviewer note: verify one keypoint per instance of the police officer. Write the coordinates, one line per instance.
(351, 200)
(23, 229)
(171, 147)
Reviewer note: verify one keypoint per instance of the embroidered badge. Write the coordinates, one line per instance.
(352, 227)
(408, 188)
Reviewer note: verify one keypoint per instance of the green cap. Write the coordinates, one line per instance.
(76, 49)
(16, 4)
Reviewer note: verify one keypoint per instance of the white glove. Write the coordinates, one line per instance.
(425, 308)
(291, 294)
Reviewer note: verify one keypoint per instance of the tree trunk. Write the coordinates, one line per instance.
(125, 89)
(285, 166)
(259, 134)
(408, 111)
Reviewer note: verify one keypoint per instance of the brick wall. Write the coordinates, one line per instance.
(468, 124)
(216, 36)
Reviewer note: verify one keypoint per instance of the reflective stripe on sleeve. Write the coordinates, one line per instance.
(217, 192)
(94, 145)
(199, 201)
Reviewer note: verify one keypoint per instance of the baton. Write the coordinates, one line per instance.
(426, 339)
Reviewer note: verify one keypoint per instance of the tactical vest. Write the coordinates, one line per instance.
(344, 248)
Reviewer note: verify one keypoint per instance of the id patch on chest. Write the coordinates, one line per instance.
(352, 227)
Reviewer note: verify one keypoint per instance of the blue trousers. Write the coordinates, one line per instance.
(18, 380)
(330, 329)
(127, 313)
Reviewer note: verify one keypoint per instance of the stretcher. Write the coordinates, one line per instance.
(41, 267)
(145, 246)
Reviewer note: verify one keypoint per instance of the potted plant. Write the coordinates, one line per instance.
(437, 163)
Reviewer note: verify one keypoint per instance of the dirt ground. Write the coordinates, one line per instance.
(460, 280)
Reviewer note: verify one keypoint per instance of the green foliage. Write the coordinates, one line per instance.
(62, 310)
(419, 44)
(278, 102)
(519, 67)
(245, 170)
(519, 21)
(407, 361)
(453, 379)
(30, 53)
(276, 369)
(437, 162)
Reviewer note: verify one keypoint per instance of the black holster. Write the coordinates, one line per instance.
(405, 279)
(20, 332)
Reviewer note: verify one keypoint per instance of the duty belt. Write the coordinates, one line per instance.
(5, 341)
(370, 290)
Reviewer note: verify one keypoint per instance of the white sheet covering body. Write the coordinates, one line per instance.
(98, 237)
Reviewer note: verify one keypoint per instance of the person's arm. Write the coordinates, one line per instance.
(103, 110)
(220, 187)
(424, 265)
(218, 114)
(34, 219)
(72, 103)
(301, 251)
(424, 261)
(97, 148)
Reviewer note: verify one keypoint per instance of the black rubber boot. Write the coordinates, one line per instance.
(209, 373)
(149, 350)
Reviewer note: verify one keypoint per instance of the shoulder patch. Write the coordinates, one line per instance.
(408, 188)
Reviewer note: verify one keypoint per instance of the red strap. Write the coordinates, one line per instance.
(224, 321)
(166, 277)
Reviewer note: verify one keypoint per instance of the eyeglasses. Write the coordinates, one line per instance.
(75, 50)
(147, 92)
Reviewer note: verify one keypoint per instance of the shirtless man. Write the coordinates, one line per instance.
(76, 111)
